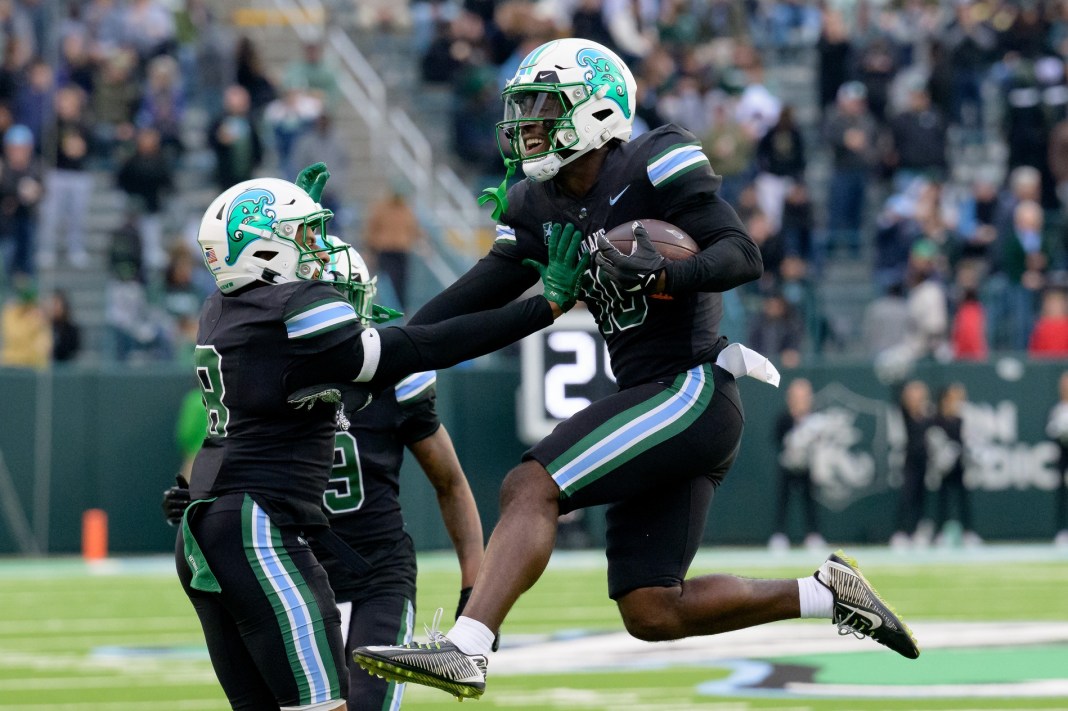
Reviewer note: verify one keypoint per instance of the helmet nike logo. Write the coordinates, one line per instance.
(614, 200)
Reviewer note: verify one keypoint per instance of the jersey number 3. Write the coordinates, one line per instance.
(344, 493)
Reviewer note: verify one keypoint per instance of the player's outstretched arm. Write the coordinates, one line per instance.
(409, 349)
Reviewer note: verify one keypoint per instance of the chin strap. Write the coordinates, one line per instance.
(499, 195)
(381, 314)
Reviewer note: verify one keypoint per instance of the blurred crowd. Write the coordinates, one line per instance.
(101, 95)
(923, 143)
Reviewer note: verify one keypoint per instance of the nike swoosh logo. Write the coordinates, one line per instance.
(875, 621)
(614, 200)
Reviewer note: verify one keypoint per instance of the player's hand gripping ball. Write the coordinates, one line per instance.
(635, 253)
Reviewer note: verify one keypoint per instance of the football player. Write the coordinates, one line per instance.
(656, 450)
(268, 341)
(362, 505)
(361, 501)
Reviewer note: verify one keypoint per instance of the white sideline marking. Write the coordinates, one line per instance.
(619, 650)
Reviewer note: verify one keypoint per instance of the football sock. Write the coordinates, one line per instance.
(473, 637)
(815, 597)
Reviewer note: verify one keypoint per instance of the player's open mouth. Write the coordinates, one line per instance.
(533, 145)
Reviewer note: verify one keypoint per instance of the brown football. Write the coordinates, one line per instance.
(672, 243)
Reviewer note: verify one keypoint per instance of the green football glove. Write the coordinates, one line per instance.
(313, 179)
(567, 262)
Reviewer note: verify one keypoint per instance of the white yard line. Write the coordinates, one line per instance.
(619, 650)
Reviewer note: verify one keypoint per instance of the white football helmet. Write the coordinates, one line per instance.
(580, 90)
(350, 274)
(266, 230)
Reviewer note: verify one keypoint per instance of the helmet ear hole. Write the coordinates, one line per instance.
(602, 114)
(264, 254)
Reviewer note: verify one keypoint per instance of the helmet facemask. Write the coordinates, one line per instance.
(349, 273)
(305, 235)
(550, 107)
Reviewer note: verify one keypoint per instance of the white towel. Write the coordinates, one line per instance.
(739, 360)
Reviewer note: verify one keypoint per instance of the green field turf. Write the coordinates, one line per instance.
(121, 636)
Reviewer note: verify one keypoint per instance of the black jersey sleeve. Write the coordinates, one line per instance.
(413, 348)
(380, 358)
(729, 257)
(325, 337)
(678, 168)
(318, 318)
(687, 189)
(495, 280)
(417, 397)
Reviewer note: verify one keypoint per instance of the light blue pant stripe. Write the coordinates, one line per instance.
(645, 426)
(300, 618)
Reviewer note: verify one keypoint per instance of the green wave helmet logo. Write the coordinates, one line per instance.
(603, 72)
(250, 208)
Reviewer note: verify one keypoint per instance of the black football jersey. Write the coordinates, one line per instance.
(362, 496)
(253, 349)
(663, 175)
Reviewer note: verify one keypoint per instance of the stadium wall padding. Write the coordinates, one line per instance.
(111, 445)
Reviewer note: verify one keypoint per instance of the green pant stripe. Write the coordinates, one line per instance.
(395, 691)
(298, 615)
(634, 431)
